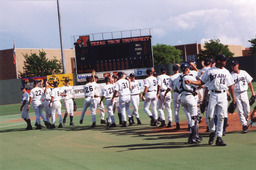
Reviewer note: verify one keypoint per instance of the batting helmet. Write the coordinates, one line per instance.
(120, 74)
(184, 66)
(163, 70)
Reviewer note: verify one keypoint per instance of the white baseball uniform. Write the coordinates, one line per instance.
(89, 91)
(122, 86)
(164, 102)
(97, 101)
(241, 86)
(68, 99)
(187, 99)
(176, 99)
(36, 95)
(107, 92)
(151, 98)
(24, 111)
(135, 97)
(218, 81)
(56, 104)
(47, 99)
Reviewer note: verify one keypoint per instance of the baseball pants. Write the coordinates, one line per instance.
(69, 106)
(48, 110)
(135, 100)
(165, 102)
(109, 106)
(176, 107)
(217, 106)
(101, 107)
(189, 103)
(124, 104)
(243, 107)
(56, 109)
(89, 102)
(38, 108)
(24, 112)
(153, 103)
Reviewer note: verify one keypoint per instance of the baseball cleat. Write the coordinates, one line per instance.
(138, 121)
(29, 127)
(162, 124)
(60, 125)
(102, 121)
(169, 124)
(81, 121)
(245, 129)
(113, 125)
(177, 126)
(124, 124)
(220, 142)
(211, 139)
(72, 124)
(93, 124)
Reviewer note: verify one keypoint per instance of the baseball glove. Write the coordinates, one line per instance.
(253, 115)
(203, 105)
(252, 100)
(231, 107)
(75, 107)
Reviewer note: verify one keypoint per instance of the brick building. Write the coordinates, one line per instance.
(9, 70)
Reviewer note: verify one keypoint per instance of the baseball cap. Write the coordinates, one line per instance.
(107, 79)
(149, 71)
(88, 78)
(22, 87)
(66, 80)
(184, 66)
(234, 62)
(120, 74)
(132, 75)
(221, 57)
(114, 77)
(175, 67)
(163, 70)
(207, 61)
(96, 77)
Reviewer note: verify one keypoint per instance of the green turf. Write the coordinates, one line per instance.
(135, 147)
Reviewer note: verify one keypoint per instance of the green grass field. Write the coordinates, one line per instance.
(134, 147)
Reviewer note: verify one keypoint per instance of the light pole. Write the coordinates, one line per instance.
(61, 46)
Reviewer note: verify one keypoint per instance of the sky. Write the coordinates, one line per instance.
(34, 23)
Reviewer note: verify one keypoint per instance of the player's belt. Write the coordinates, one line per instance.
(162, 90)
(216, 91)
(108, 97)
(88, 96)
(134, 94)
(151, 90)
(48, 100)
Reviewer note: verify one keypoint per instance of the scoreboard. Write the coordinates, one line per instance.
(113, 54)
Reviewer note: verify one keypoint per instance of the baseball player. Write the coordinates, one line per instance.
(242, 81)
(35, 98)
(46, 99)
(55, 104)
(97, 101)
(135, 97)
(122, 88)
(219, 81)
(164, 100)
(107, 93)
(150, 92)
(116, 102)
(24, 107)
(68, 97)
(89, 93)
(176, 97)
(188, 101)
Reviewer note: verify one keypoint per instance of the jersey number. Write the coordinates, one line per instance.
(110, 90)
(88, 89)
(38, 93)
(222, 81)
(154, 82)
(125, 85)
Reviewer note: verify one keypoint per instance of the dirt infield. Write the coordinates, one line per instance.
(233, 122)
(233, 125)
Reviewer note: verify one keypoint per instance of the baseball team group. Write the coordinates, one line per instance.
(207, 90)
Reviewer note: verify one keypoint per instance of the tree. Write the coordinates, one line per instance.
(164, 54)
(214, 48)
(253, 47)
(38, 65)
